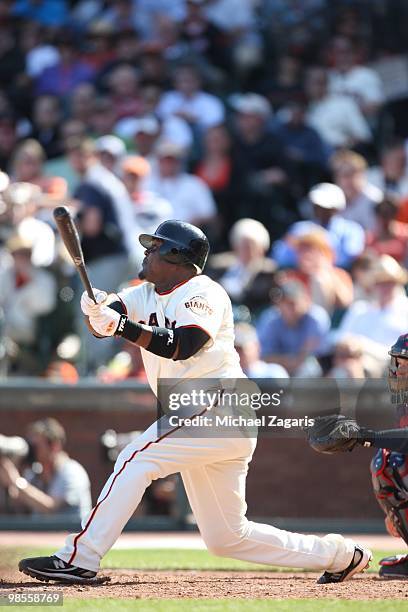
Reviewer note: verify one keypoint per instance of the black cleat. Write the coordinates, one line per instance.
(53, 568)
(394, 567)
(360, 561)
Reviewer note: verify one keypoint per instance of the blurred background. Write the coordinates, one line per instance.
(278, 127)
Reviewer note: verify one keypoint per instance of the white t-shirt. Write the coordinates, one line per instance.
(188, 194)
(360, 81)
(339, 121)
(382, 325)
(69, 485)
(207, 109)
(198, 302)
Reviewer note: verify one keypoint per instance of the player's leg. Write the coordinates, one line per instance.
(155, 454)
(389, 473)
(217, 496)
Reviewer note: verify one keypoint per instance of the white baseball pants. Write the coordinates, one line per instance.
(214, 472)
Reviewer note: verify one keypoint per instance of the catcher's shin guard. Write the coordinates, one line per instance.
(389, 473)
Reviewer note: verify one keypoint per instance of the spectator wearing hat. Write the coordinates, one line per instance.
(142, 133)
(27, 292)
(110, 150)
(383, 319)
(291, 332)
(328, 286)
(246, 273)
(346, 237)
(149, 209)
(249, 351)
(189, 196)
(336, 117)
(349, 172)
(60, 486)
(390, 237)
(188, 101)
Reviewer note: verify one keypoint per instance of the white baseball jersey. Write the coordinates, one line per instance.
(197, 302)
(213, 468)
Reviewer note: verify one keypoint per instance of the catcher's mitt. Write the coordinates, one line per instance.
(333, 434)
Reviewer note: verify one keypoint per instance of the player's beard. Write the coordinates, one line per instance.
(142, 275)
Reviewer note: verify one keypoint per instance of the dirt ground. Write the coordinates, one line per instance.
(130, 584)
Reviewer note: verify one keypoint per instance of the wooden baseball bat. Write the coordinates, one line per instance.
(69, 234)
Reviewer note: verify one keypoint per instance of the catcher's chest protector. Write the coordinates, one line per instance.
(389, 473)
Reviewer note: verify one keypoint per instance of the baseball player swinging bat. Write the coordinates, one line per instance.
(183, 323)
(69, 234)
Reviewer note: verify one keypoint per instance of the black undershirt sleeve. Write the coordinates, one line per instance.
(183, 341)
(191, 340)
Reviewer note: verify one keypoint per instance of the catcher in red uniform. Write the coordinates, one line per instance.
(389, 467)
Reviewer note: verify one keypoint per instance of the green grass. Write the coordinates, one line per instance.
(165, 559)
(169, 559)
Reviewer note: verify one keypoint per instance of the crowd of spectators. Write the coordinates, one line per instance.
(279, 127)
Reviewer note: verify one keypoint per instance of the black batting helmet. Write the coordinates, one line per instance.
(398, 380)
(183, 243)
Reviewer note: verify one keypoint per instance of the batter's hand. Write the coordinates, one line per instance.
(88, 306)
(105, 322)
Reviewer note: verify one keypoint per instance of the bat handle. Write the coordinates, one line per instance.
(85, 280)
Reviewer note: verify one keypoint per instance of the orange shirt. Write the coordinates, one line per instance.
(403, 212)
